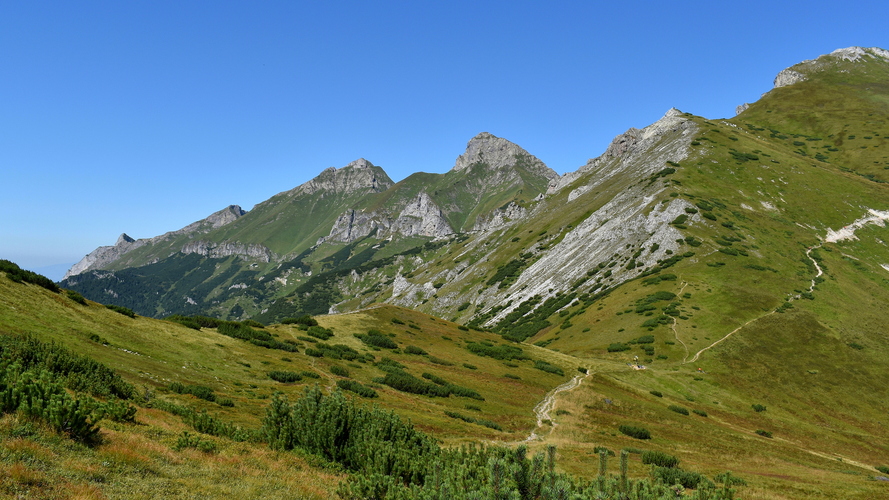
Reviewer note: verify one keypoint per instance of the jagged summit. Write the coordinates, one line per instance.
(496, 153)
(123, 238)
(799, 72)
(356, 176)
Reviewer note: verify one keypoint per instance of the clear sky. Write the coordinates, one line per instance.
(144, 116)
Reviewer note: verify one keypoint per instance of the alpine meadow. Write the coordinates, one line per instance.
(699, 312)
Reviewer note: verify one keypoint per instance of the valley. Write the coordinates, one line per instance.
(711, 290)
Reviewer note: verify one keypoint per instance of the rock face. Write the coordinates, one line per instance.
(359, 175)
(105, 256)
(788, 77)
(422, 217)
(628, 148)
(227, 249)
(498, 153)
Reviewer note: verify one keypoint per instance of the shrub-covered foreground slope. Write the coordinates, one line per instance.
(493, 393)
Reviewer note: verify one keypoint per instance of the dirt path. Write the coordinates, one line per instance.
(811, 288)
(544, 407)
(673, 326)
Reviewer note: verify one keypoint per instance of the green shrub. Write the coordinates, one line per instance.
(700, 412)
(469, 366)
(549, 368)
(656, 393)
(882, 468)
(285, 377)
(659, 459)
(439, 361)
(510, 375)
(375, 338)
(309, 374)
(305, 320)
(122, 310)
(319, 332)
(635, 432)
(673, 475)
(339, 370)
(187, 440)
(76, 297)
(357, 388)
(728, 479)
(618, 347)
(678, 409)
(19, 275)
(414, 350)
(763, 433)
(471, 420)
(758, 408)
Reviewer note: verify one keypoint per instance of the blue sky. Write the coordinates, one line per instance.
(142, 117)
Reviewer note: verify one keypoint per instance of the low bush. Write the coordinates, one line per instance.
(678, 409)
(618, 347)
(700, 412)
(375, 338)
(635, 432)
(549, 368)
(659, 459)
(882, 468)
(357, 388)
(763, 433)
(122, 310)
(76, 297)
(305, 320)
(674, 475)
(285, 377)
(187, 440)
(339, 370)
(758, 408)
(656, 393)
(414, 350)
(198, 391)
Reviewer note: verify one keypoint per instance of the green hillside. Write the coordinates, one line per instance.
(716, 283)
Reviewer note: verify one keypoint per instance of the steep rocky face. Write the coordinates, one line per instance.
(628, 148)
(422, 217)
(104, 256)
(222, 250)
(358, 176)
(497, 153)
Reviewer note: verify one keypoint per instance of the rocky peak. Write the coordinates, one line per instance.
(123, 239)
(798, 73)
(359, 175)
(224, 216)
(498, 153)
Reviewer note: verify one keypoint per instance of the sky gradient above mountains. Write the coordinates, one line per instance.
(141, 118)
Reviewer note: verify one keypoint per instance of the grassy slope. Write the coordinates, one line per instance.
(825, 407)
(151, 354)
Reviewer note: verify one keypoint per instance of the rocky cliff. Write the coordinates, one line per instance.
(102, 257)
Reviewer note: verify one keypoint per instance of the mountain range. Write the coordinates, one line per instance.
(735, 267)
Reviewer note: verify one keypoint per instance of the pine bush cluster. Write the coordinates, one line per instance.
(38, 394)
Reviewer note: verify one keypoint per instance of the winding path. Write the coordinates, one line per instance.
(545, 406)
(811, 288)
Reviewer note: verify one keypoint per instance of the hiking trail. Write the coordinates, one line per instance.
(545, 406)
